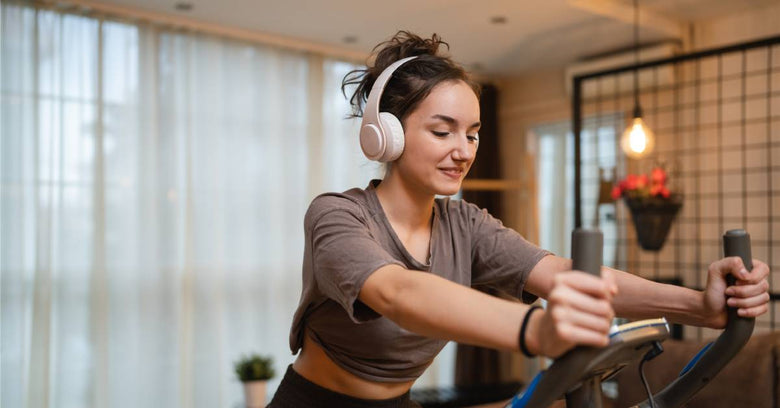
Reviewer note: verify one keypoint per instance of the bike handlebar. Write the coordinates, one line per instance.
(708, 363)
(575, 365)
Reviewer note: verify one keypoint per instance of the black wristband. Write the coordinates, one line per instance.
(523, 326)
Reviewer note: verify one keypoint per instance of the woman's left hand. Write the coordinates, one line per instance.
(749, 294)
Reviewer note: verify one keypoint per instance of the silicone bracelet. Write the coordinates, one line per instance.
(523, 327)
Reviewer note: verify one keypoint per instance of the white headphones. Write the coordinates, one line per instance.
(381, 133)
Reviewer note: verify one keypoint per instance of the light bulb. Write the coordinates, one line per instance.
(638, 140)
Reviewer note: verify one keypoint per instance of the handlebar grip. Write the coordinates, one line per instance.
(726, 346)
(587, 250)
(736, 242)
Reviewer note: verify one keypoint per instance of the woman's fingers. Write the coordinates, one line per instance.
(748, 290)
(753, 311)
(750, 302)
(733, 266)
(759, 272)
(579, 309)
(573, 299)
(750, 294)
(587, 321)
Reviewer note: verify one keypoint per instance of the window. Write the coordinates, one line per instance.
(555, 178)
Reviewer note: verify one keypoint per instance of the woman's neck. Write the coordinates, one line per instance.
(403, 205)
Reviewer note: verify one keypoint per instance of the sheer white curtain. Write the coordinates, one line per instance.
(153, 189)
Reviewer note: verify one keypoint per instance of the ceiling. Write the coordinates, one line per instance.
(535, 35)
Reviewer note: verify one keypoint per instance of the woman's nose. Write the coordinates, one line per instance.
(465, 149)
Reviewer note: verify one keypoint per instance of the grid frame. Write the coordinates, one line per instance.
(717, 126)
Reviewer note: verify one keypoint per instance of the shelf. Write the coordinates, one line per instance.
(494, 185)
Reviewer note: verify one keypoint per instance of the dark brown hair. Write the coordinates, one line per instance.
(411, 82)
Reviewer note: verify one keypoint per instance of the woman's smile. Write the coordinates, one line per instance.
(454, 173)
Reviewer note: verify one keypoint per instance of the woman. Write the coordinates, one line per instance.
(387, 269)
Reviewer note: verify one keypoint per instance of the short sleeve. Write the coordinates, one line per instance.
(344, 253)
(501, 257)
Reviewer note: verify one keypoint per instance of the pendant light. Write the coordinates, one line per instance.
(637, 140)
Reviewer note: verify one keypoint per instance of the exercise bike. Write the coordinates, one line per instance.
(578, 374)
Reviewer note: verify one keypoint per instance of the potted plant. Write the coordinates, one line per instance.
(653, 206)
(254, 371)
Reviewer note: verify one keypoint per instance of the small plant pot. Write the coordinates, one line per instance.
(653, 220)
(254, 393)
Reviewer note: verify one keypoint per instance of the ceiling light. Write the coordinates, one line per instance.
(637, 140)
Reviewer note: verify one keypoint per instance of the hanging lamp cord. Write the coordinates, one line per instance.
(637, 109)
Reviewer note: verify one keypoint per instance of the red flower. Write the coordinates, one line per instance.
(659, 190)
(641, 181)
(658, 176)
(643, 186)
(631, 182)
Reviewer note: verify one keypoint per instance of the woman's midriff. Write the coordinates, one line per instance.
(314, 365)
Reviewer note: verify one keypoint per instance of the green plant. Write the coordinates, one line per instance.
(254, 368)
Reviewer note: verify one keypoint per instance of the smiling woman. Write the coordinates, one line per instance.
(358, 341)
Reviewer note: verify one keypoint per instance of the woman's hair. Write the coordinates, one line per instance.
(411, 82)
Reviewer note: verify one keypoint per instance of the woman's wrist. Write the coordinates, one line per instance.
(531, 333)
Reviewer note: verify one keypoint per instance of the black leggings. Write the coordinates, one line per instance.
(298, 392)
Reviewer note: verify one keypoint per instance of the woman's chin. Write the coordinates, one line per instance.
(448, 190)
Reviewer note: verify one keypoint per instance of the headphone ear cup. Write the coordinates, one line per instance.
(394, 136)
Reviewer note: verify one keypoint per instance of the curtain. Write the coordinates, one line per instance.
(153, 189)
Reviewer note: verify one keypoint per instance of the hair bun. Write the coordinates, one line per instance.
(405, 44)
(413, 81)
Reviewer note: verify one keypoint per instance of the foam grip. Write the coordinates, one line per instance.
(736, 242)
(587, 249)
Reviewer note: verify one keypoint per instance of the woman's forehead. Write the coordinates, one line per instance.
(453, 100)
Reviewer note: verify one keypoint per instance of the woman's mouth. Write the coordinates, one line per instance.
(452, 172)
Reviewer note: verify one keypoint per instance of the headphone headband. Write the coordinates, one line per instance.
(379, 133)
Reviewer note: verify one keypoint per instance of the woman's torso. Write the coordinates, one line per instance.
(366, 355)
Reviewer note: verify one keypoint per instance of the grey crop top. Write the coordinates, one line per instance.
(348, 237)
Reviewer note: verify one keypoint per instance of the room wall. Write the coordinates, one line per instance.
(539, 97)
(525, 101)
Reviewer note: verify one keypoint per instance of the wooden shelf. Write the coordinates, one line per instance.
(493, 185)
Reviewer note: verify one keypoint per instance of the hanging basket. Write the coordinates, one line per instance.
(653, 219)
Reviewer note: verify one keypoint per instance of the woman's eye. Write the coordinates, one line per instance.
(473, 138)
(440, 134)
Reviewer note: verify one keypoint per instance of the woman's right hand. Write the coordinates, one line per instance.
(579, 312)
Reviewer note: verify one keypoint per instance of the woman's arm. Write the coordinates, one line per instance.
(432, 306)
(639, 298)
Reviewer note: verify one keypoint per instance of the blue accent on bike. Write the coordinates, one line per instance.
(695, 359)
(520, 400)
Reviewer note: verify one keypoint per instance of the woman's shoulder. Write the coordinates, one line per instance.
(354, 201)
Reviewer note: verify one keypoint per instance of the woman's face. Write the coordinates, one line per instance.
(441, 139)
